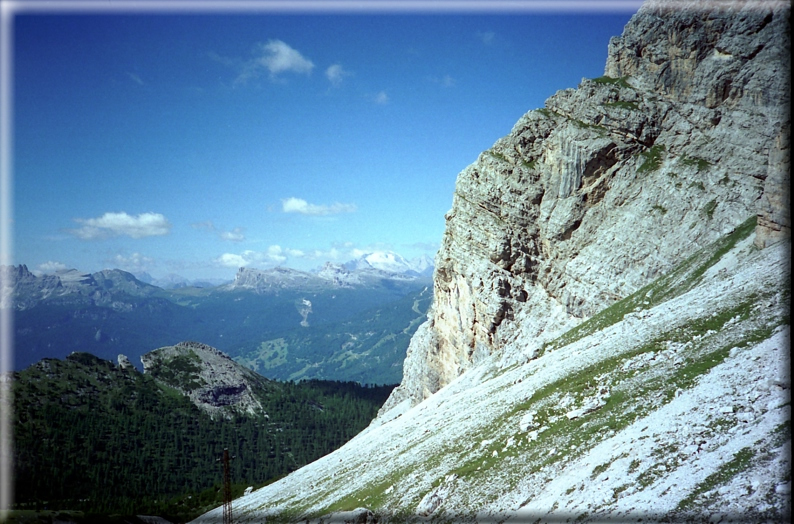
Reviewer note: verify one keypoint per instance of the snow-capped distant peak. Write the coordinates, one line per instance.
(391, 262)
(387, 261)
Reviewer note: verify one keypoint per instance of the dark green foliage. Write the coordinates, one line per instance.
(621, 81)
(546, 112)
(632, 106)
(581, 124)
(531, 164)
(701, 164)
(94, 438)
(180, 370)
(709, 209)
(496, 155)
(725, 472)
(653, 159)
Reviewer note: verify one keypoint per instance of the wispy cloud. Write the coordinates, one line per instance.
(444, 81)
(431, 247)
(135, 78)
(336, 74)
(381, 98)
(50, 267)
(298, 205)
(486, 37)
(235, 235)
(275, 57)
(121, 224)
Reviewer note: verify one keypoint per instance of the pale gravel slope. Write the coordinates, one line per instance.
(466, 453)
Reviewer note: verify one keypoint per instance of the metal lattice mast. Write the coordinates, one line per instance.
(227, 489)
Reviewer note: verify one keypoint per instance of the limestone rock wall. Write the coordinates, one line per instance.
(610, 184)
(211, 379)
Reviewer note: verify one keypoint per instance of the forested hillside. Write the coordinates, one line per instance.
(94, 437)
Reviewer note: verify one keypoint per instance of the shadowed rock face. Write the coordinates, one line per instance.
(222, 395)
(774, 206)
(611, 184)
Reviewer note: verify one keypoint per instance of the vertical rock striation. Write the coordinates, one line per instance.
(611, 184)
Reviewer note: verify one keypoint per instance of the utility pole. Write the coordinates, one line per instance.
(227, 489)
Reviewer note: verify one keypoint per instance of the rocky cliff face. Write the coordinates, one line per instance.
(211, 379)
(611, 184)
(608, 336)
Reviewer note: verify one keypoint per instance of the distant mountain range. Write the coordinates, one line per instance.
(303, 313)
(382, 264)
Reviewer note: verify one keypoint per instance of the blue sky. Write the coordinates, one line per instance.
(197, 142)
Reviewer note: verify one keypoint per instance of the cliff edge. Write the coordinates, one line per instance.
(611, 185)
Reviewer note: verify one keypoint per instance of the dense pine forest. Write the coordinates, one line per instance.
(92, 437)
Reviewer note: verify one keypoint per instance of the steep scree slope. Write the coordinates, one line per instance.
(672, 405)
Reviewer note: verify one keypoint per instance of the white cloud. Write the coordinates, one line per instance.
(274, 57)
(122, 224)
(235, 235)
(274, 255)
(382, 98)
(486, 36)
(232, 260)
(336, 74)
(298, 205)
(278, 57)
(50, 267)
(135, 78)
(135, 263)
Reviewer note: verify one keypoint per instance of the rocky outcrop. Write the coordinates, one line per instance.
(273, 280)
(124, 362)
(210, 378)
(610, 185)
(774, 207)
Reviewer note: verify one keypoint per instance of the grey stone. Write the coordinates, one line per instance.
(611, 184)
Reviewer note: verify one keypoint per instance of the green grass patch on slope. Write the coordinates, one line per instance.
(653, 159)
(619, 81)
(631, 106)
(700, 163)
(633, 395)
(727, 471)
(684, 277)
(626, 402)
